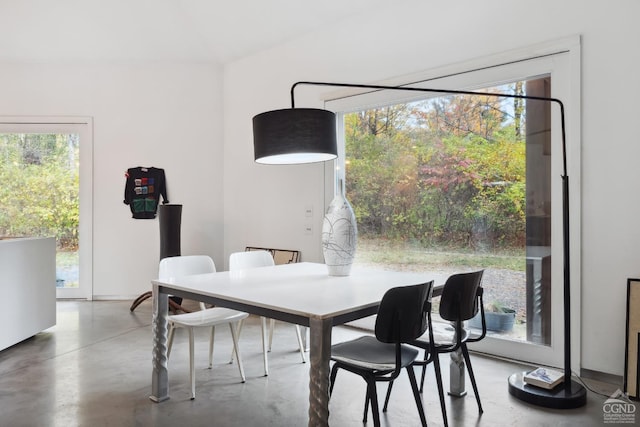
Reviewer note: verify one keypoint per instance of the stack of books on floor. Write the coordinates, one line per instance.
(544, 378)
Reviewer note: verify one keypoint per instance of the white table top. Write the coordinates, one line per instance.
(300, 289)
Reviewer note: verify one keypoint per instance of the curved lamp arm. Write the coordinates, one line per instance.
(305, 135)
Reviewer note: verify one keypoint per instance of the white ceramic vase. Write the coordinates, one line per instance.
(339, 236)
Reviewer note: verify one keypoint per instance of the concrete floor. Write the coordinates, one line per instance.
(94, 369)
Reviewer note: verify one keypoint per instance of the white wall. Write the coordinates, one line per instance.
(171, 116)
(265, 204)
(145, 114)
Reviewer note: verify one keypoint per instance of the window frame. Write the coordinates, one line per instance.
(561, 60)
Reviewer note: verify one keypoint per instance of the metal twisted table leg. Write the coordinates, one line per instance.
(320, 354)
(159, 376)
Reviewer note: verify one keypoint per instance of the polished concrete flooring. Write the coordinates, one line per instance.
(94, 369)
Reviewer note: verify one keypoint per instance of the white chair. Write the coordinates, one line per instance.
(180, 266)
(254, 259)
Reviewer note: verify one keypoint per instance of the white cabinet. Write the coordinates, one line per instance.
(27, 288)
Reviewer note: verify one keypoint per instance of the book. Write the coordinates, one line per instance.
(544, 378)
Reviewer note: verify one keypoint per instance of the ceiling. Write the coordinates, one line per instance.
(160, 30)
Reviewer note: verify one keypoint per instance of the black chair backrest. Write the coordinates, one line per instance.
(458, 301)
(402, 315)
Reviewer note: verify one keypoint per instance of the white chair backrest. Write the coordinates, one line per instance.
(249, 259)
(187, 265)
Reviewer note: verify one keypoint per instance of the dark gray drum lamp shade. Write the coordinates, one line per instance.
(294, 135)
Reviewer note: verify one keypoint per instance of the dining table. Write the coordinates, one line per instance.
(300, 293)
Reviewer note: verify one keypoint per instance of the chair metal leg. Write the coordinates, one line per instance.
(443, 407)
(192, 368)
(234, 336)
(272, 326)
(263, 320)
(212, 337)
(332, 378)
(172, 331)
(303, 335)
(300, 343)
(472, 377)
(416, 394)
(233, 350)
(373, 397)
(366, 405)
(424, 371)
(386, 399)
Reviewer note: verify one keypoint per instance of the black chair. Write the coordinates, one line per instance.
(461, 300)
(403, 316)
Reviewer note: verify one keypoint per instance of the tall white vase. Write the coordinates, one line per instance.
(339, 236)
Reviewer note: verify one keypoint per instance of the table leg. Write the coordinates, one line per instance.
(456, 371)
(159, 376)
(456, 374)
(320, 354)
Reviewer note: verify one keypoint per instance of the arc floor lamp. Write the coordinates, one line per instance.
(307, 135)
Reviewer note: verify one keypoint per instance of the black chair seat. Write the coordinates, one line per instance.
(444, 335)
(369, 353)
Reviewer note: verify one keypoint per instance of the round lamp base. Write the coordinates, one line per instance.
(560, 397)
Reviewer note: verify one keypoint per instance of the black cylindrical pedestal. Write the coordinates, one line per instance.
(170, 218)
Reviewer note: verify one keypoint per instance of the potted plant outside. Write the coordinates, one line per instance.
(497, 317)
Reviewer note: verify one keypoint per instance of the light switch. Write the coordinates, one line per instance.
(308, 229)
(308, 211)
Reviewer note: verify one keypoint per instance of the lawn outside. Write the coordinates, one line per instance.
(504, 279)
(67, 269)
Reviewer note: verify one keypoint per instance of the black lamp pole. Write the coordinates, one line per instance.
(275, 133)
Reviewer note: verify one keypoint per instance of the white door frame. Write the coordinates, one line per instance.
(84, 127)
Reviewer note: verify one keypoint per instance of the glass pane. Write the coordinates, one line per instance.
(39, 194)
(460, 183)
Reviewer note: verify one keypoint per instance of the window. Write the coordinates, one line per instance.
(46, 181)
(455, 183)
(40, 194)
(441, 185)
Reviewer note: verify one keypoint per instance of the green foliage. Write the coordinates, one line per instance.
(497, 307)
(39, 191)
(449, 172)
